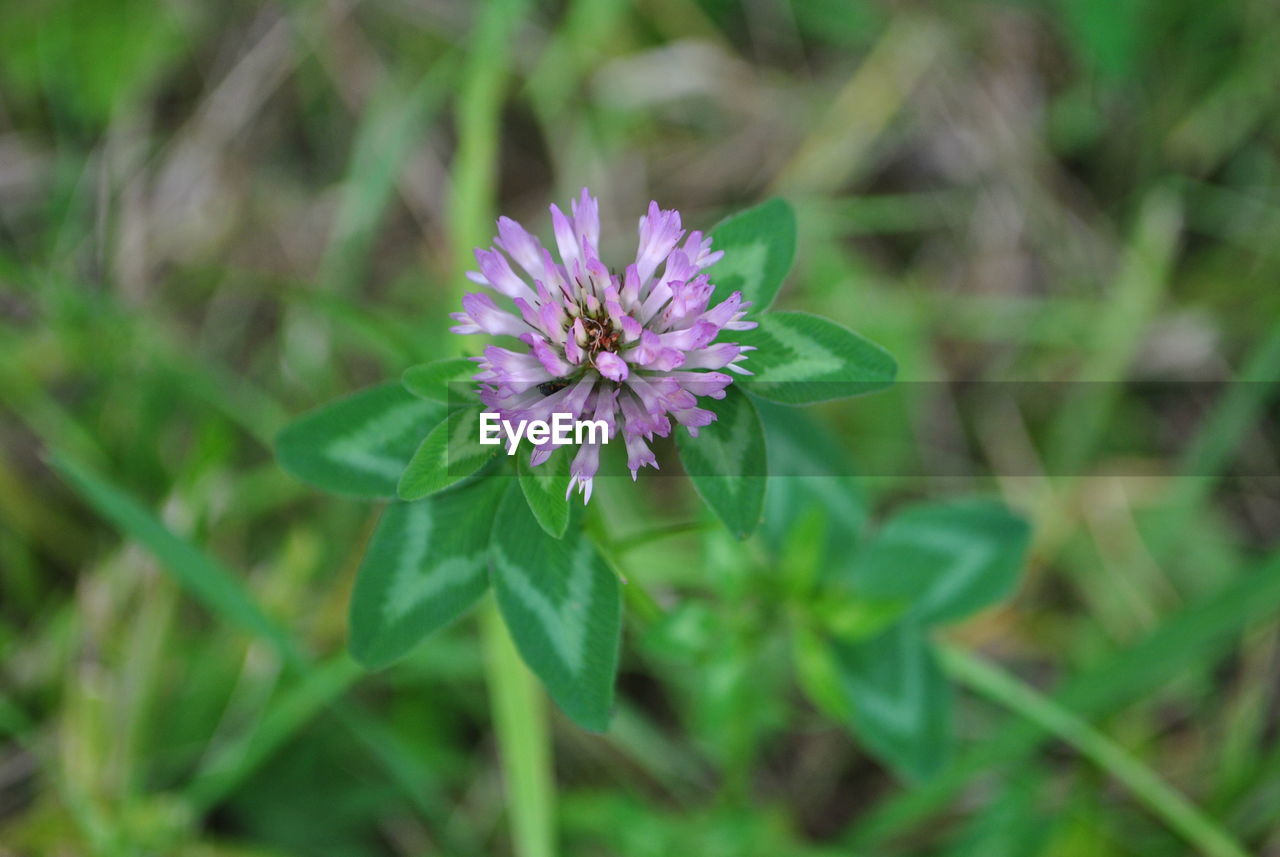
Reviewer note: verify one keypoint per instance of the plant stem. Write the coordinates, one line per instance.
(1174, 809)
(478, 111)
(516, 700)
(524, 742)
(656, 533)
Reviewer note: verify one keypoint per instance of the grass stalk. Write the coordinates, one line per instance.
(517, 703)
(1164, 801)
(524, 743)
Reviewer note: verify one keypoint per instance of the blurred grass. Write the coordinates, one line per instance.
(211, 219)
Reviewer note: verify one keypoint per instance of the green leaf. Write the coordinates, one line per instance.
(817, 672)
(802, 358)
(545, 488)
(810, 475)
(947, 560)
(358, 446)
(434, 380)
(451, 452)
(561, 603)
(759, 246)
(427, 564)
(727, 462)
(899, 698)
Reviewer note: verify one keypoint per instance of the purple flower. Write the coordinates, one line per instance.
(636, 350)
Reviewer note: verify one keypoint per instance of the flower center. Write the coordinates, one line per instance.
(601, 335)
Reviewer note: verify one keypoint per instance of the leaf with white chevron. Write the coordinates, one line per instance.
(451, 452)
(426, 565)
(447, 381)
(546, 487)
(759, 246)
(358, 446)
(802, 358)
(899, 698)
(945, 561)
(562, 606)
(726, 461)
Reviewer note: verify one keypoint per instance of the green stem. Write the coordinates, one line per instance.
(478, 111)
(517, 702)
(657, 533)
(524, 742)
(1162, 799)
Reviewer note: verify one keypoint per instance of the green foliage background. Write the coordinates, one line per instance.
(216, 216)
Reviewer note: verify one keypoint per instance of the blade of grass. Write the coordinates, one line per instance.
(416, 781)
(392, 338)
(89, 820)
(147, 639)
(1175, 810)
(23, 511)
(1131, 304)
(208, 581)
(836, 148)
(222, 594)
(1244, 401)
(1192, 638)
(393, 123)
(586, 27)
(232, 763)
(232, 395)
(24, 380)
(478, 107)
(22, 392)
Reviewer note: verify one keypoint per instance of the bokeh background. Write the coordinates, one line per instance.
(214, 216)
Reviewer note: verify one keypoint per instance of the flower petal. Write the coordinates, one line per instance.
(583, 469)
(611, 366)
(659, 232)
(586, 221)
(485, 313)
(639, 455)
(566, 241)
(496, 273)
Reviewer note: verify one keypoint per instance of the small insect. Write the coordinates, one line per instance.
(546, 388)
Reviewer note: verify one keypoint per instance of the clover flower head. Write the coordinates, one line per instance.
(636, 350)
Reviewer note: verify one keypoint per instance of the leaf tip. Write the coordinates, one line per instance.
(366, 656)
